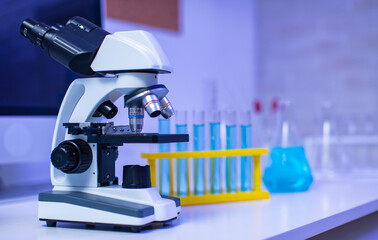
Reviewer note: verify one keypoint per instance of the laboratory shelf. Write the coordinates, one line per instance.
(325, 206)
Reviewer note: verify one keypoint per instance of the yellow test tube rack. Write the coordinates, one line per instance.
(255, 194)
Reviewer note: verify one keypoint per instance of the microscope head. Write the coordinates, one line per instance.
(85, 48)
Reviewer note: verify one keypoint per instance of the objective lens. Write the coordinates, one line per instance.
(167, 110)
(136, 115)
(152, 105)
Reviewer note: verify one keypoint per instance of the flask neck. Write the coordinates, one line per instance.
(285, 133)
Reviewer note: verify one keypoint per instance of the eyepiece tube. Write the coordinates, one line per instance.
(57, 27)
(167, 110)
(74, 45)
(34, 31)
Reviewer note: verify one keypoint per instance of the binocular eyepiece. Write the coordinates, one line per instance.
(74, 45)
(34, 31)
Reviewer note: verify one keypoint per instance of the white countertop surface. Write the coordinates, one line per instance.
(285, 216)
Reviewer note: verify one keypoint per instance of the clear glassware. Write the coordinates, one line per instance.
(330, 159)
(260, 135)
(288, 169)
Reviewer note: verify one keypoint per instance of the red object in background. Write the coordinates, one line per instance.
(257, 106)
(162, 13)
(274, 105)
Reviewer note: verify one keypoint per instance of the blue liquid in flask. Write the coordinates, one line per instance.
(288, 171)
(231, 161)
(246, 161)
(215, 166)
(164, 163)
(199, 168)
(182, 163)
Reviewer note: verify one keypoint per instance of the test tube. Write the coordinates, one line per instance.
(182, 128)
(215, 144)
(199, 145)
(164, 128)
(231, 144)
(246, 142)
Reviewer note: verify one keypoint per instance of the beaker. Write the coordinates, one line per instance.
(288, 169)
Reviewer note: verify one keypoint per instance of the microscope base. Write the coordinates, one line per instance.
(133, 228)
(107, 206)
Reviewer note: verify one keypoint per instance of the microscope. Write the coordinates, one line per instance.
(85, 144)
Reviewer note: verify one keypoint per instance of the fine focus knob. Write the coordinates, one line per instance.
(72, 156)
(135, 176)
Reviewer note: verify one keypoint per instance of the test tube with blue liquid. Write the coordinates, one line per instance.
(246, 142)
(231, 181)
(164, 128)
(182, 128)
(215, 144)
(199, 145)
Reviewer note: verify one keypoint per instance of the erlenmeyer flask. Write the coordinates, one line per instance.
(287, 169)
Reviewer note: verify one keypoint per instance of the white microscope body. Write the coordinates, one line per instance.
(84, 147)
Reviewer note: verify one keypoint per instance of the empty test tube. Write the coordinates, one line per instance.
(215, 144)
(231, 182)
(164, 128)
(199, 145)
(182, 128)
(246, 142)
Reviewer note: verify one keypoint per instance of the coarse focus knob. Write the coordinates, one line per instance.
(72, 156)
(135, 176)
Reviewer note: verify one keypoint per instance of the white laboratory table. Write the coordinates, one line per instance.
(285, 216)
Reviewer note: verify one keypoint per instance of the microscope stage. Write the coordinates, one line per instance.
(120, 139)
